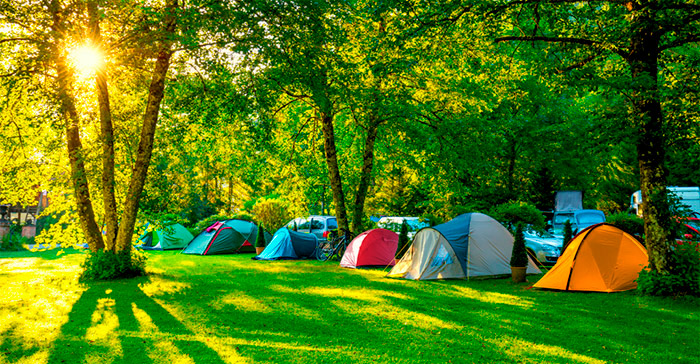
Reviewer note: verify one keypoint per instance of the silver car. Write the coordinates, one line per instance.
(546, 248)
(318, 225)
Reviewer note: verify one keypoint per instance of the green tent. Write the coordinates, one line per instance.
(173, 236)
(225, 237)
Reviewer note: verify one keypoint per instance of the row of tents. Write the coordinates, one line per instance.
(600, 258)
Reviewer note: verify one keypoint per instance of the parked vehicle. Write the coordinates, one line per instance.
(580, 219)
(319, 225)
(545, 247)
(394, 223)
(691, 229)
(689, 196)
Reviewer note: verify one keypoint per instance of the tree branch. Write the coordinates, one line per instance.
(17, 40)
(548, 39)
(679, 42)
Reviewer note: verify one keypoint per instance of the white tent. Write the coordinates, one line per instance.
(469, 245)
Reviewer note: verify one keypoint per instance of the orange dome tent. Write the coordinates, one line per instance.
(601, 258)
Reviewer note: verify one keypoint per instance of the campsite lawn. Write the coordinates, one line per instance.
(230, 309)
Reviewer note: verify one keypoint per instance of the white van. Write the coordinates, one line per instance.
(689, 196)
(394, 223)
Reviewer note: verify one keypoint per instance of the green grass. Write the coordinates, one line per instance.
(230, 309)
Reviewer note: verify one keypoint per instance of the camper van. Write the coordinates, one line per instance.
(689, 196)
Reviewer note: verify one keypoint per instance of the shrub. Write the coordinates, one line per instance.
(631, 224)
(271, 212)
(510, 214)
(206, 222)
(105, 265)
(519, 256)
(260, 239)
(568, 234)
(403, 239)
(13, 240)
(683, 277)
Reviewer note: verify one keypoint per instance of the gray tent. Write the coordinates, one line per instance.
(469, 245)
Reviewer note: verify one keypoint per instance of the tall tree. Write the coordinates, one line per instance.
(636, 33)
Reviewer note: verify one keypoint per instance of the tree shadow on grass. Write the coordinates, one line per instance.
(116, 322)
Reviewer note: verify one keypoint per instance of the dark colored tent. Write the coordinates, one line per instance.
(469, 245)
(225, 237)
(375, 247)
(289, 244)
(174, 236)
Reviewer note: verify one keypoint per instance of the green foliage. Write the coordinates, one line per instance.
(271, 212)
(205, 223)
(568, 234)
(510, 214)
(519, 255)
(629, 223)
(106, 265)
(13, 240)
(683, 277)
(403, 239)
(260, 239)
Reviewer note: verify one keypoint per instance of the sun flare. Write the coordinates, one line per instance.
(86, 59)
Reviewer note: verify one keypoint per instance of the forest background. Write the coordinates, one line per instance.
(353, 108)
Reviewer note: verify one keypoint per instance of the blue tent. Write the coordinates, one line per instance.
(289, 244)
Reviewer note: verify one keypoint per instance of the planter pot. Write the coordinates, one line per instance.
(259, 249)
(518, 274)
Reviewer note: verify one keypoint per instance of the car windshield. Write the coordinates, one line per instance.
(562, 218)
(589, 219)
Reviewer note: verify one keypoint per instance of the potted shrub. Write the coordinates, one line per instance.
(518, 259)
(260, 240)
(403, 239)
(568, 234)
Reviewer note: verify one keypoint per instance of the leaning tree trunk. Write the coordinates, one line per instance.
(644, 52)
(366, 172)
(76, 156)
(107, 137)
(148, 130)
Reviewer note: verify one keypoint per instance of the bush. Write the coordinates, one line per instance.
(682, 279)
(14, 240)
(519, 256)
(106, 265)
(271, 212)
(403, 239)
(205, 223)
(568, 234)
(510, 214)
(260, 239)
(628, 223)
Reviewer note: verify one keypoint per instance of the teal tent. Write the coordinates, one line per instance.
(289, 244)
(173, 236)
(225, 237)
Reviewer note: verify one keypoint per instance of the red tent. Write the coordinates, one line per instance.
(375, 247)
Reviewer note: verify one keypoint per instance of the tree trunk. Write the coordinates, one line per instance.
(150, 119)
(107, 137)
(76, 156)
(644, 52)
(334, 171)
(366, 173)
